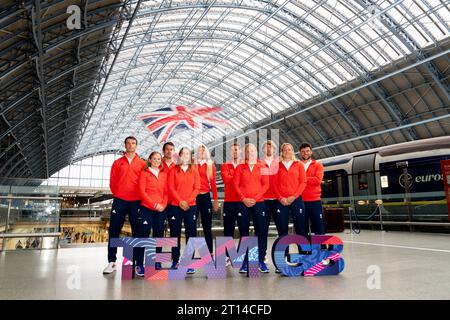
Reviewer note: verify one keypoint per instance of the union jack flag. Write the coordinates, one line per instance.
(165, 121)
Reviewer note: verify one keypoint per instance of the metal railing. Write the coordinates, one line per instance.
(40, 236)
(39, 221)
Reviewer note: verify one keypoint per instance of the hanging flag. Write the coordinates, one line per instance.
(162, 123)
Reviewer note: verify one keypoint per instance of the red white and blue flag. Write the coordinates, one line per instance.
(165, 121)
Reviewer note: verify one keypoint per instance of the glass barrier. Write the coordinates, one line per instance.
(4, 203)
(34, 214)
(29, 215)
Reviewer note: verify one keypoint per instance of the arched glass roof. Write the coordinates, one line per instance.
(253, 58)
(344, 75)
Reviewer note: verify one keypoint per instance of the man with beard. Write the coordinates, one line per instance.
(312, 193)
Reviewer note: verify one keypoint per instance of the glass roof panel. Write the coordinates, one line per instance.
(232, 59)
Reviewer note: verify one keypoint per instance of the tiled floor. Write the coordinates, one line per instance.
(411, 265)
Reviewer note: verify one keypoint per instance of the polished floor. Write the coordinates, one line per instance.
(379, 265)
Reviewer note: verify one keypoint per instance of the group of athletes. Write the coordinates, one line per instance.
(178, 189)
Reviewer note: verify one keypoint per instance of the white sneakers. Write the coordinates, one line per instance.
(110, 268)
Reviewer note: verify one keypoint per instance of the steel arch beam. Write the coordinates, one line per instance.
(275, 58)
(114, 40)
(408, 42)
(388, 75)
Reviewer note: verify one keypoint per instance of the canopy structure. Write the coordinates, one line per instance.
(343, 75)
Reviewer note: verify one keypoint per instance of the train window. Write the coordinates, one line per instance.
(362, 180)
(327, 185)
(384, 182)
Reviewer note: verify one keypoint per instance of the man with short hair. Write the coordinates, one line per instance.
(124, 185)
(312, 193)
(169, 160)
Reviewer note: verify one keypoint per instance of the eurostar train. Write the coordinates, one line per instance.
(406, 177)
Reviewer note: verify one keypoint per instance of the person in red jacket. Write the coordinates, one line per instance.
(184, 186)
(251, 184)
(290, 182)
(231, 200)
(312, 193)
(207, 170)
(154, 194)
(169, 161)
(124, 185)
(271, 161)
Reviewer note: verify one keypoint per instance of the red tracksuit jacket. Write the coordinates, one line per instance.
(183, 185)
(205, 184)
(124, 178)
(166, 167)
(271, 171)
(250, 184)
(314, 176)
(153, 189)
(290, 182)
(227, 171)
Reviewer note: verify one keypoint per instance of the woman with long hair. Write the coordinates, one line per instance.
(184, 186)
(154, 195)
(207, 170)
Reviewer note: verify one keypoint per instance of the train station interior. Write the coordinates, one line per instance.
(366, 83)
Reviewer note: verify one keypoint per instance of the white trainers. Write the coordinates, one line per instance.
(110, 268)
(227, 262)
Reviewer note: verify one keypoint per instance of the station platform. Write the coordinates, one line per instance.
(411, 265)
